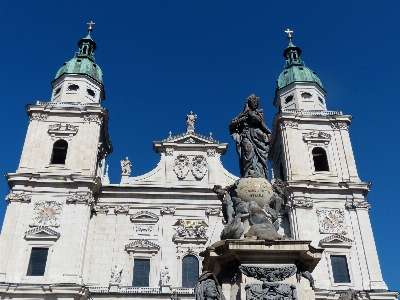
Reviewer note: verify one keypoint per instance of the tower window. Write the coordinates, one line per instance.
(57, 91)
(59, 152)
(37, 262)
(90, 92)
(73, 87)
(190, 271)
(306, 95)
(141, 272)
(320, 159)
(288, 99)
(321, 100)
(339, 269)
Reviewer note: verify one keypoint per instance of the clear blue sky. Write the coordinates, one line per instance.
(163, 59)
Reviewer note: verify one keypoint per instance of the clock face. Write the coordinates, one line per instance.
(331, 221)
(47, 213)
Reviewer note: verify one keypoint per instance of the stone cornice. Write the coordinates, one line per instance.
(296, 185)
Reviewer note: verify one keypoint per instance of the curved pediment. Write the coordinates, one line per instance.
(144, 217)
(336, 240)
(142, 246)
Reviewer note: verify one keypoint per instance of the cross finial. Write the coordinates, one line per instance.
(90, 26)
(289, 33)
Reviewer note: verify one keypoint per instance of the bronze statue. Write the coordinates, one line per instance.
(252, 137)
(207, 288)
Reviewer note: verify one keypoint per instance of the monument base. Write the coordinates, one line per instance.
(259, 269)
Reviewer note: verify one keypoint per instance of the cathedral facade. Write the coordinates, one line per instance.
(69, 233)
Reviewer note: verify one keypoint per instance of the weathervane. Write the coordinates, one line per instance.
(90, 26)
(289, 32)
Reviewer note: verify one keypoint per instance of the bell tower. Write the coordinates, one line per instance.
(310, 149)
(58, 178)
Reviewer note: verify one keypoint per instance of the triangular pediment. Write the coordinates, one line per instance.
(336, 240)
(42, 233)
(142, 246)
(190, 138)
(144, 217)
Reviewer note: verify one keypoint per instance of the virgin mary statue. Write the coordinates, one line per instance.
(252, 139)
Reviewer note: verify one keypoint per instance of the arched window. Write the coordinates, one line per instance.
(320, 159)
(190, 271)
(59, 152)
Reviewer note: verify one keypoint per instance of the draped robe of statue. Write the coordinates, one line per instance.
(252, 139)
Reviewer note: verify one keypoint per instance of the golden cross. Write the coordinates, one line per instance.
(90, 26)
(288, 31)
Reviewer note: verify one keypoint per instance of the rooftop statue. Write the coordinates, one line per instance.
(252, 137)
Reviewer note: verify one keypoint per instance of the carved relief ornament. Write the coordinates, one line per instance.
(80, 198)
(181, 166)
(212, 211)
(142, 245)
(339, 125)
(292, 124)
(144, 217)
(144, 229)
(190, 230)
(121, 209)
(358, 203)
(317, 136)
(18, 197)
(199, 166)
(300, 203)
(38, 117)
(93, 118)
(168, 210)
(211, 152)
(98, 209)
(169, 151)
(60, 130)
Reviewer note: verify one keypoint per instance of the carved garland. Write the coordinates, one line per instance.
(38, 117)
(93, 118)
(299, 203)
(358, 204)
(18, 197)
(81, 198)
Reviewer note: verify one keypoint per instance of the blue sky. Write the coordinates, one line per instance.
(163, 59)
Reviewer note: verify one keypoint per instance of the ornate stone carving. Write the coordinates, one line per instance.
(331, 221)
(56, 126)
(126, 166)
(269, 274)
(317, 136)
(212, 211)
(211, 152)
(358, 203)
(168, 210)
(181, 166)
(271, 291)
(169, 151)
(337, 237)
(350, 294)
(190, 141)
(291, 124)
(142, 245)
(121, 209)
(190, 229)
(18, 197)
(93, 118)
(59, 130)
(300, 203)
(144, 229)
(98, 209)
(38, 117)
(116, 275)
(208, 288)
(144, 217)
(164, 276)
(339, 125)
(251, 135)
(80, 198)
(199, 166)
(46, 213)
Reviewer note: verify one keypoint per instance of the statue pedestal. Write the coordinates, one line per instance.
(124, 178)
(230, 259)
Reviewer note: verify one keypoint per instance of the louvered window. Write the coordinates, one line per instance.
(141, 272)
(190, 271)
(340, 269)
(37, 262)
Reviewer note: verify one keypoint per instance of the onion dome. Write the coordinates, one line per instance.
(295, 69)
(83, 62)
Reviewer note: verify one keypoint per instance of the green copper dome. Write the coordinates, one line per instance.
(295, 69)
(83, 62)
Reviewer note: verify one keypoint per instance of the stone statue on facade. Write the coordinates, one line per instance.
(165, 276)
(126, 166)
(252, 139)
(350, 294)
(208, 288)
(116, 275)
(190, 119)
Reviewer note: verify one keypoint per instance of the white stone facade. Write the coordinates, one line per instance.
(95, 230)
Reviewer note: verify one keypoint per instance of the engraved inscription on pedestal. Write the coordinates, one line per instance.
(258, 190)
